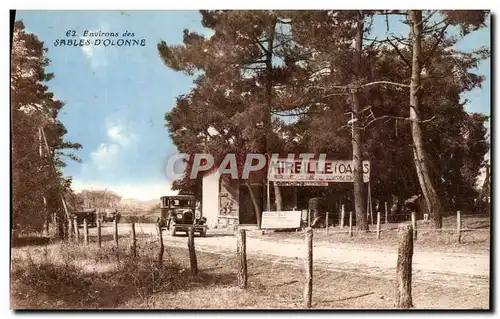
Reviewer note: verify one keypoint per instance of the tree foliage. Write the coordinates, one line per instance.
(37, 156)
(311, 84)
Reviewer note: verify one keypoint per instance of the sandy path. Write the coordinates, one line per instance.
(452, 269)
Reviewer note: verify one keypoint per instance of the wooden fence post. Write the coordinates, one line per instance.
(99, 240)
(241, 253)
(308, 217)
(326, 224)
(342, 216)
(162, 248)
(404, 267)
(309, 268)
(350, 224)
(85, 231)
(115, 237)
(378, 225)
(386, 219)
(134, 244)
(459, 226)
(71, 231)
(115, 232)
(77, 231)
(414, 224)
(192, 252)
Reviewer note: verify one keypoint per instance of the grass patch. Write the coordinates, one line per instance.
(77, 276)
(274, 284)
(60, 277)
(72, 276)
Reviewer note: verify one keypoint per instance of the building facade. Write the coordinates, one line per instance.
(227, 202)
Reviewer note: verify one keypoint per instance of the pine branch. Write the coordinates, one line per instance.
(345, 87)
(401, 40)
(371, 44)
(386, 83)
(399, 53)
(387, 21)
(254, 68)
(296, 113)
(426, 19)
(369, 25)
(437, 76)
(284, 22)
(256, 62)
(334, 94)
(261, 46)
(397, 118)
(432, 28)
(392, 12)
(282, 43)
(439, 39)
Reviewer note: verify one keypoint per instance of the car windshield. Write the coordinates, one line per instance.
(181, 203)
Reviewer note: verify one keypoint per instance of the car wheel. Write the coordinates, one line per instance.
(203, 233)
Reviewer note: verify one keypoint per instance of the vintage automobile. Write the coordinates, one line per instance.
(109, 215)
(88, 214)
(178, 213)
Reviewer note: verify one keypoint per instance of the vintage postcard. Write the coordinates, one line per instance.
(250, 159)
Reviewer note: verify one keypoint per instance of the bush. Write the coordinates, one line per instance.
(78, 276)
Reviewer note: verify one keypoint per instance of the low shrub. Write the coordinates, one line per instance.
(78, 276)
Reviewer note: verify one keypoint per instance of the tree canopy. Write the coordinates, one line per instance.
(39, 149)
(309, 83)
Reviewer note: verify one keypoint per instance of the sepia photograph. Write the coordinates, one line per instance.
(250, 159)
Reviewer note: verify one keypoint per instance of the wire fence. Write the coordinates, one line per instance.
(131, 232)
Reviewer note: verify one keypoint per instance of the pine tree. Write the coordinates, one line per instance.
(242, 62)
(476, 18)
(315, 86)
(37, 138)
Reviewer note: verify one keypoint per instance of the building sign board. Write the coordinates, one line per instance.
(302, 183)
(281, 219)
(314, 171)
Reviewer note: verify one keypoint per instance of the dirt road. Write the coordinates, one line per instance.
(451, 269)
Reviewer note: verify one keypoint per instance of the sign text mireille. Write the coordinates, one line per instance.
(313, 170)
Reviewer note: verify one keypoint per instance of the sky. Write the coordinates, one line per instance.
(116, 97)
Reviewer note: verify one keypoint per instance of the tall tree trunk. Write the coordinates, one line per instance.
(254, 202)
(278, 199)
(426, 184)
(269, 97)
(65, 217)
(60, 223)
(359, 198)
(46, 223)
(46, 213)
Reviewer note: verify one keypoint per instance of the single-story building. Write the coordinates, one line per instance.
(227, 202)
